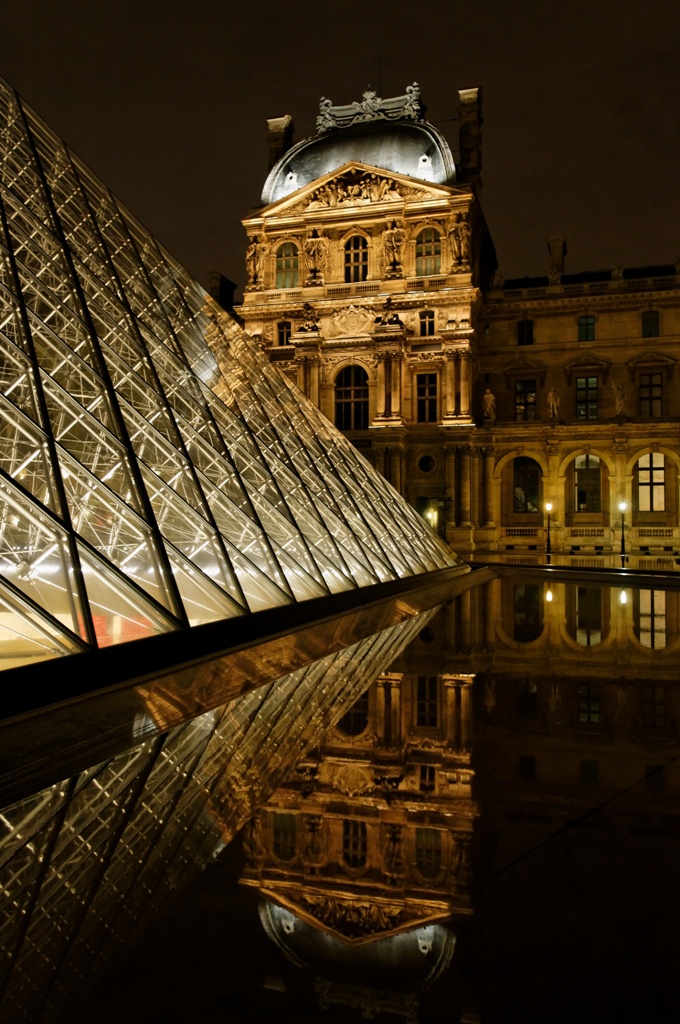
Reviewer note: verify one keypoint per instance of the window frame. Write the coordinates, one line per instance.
(587, 406)
(287, 265)
(427, 397)
(650, 324)
(650, 394)
(427, 702)
(427, 323)
(351, 410)
(586, 327)
(284, 331)
(525, 332)
(355, 259)
(527, 407)
(428, 252)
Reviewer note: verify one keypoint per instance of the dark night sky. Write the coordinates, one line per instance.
(166, 100)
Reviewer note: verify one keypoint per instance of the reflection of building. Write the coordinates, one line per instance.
(160, 484)
(371, 280)
(363, 855)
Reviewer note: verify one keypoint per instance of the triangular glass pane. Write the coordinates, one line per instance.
(26, 636)
(119, 611)
(24, 456)
(34, 557)
(100, 518)
(203, 601)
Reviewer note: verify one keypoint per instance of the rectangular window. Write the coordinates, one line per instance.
(588, 616)
(649, 391)
(285, 836)
(426, 397)
(525, 332)
(653, 707)
(427, 323)
(651, 618)
(354, 843)
(589, 703)
(428, 851)
(650, 324)
(586, 398)
(426, 778)
(525, 400)
(590, 773)
(586, 328)
(427, 701)
(651, 483)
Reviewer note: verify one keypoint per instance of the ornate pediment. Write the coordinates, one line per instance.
(357, 185)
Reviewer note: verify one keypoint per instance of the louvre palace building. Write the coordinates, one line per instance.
(253, 611)
(373, 282)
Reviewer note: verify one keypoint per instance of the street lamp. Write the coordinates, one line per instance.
(548, 550)
(622, 510)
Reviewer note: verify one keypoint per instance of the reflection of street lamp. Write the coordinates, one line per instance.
(548, 595)
(548, 508)
(622, 510)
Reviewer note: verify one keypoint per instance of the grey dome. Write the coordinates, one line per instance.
(405, 147)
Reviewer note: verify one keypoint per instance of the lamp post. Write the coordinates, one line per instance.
(622, 510)
(548, 549)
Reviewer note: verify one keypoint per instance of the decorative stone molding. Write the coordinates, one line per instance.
(356, 188)
(352, 320)
(371, 108)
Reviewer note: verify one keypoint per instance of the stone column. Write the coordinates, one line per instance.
(380, 460)
(395, 710)
(396, 385)
(475, 488)
(381, 724)
(488, 486)
(314, 381)
(465, 384)
(395, 467)
(380, 396)
(465, 714)
(450, 408)
(450, 713)
(451, 485)
(465, 487)
(302, 375)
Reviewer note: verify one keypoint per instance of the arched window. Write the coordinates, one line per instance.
(427, 323)
(287, 265)
(428, 252)
(283, 332)
(650, 324)
(651, 483)
(525, 484)
(351, 399)
(587, 483)
(356, 259)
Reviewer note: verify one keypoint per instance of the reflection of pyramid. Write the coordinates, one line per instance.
(157, 473)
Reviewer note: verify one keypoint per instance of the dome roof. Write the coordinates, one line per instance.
(409, 147)
(407, 959)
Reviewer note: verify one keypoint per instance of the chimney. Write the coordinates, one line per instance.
(470, 135)
(557, 247)
(279, 137)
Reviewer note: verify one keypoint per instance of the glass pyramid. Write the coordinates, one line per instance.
(156, 472)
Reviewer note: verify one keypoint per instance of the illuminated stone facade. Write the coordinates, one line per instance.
(372, 281)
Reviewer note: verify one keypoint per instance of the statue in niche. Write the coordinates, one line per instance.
(489, 405)
(313, 854)
(393, 246)
(553, 403)
(619, 399)
(255, 254)
(394, 864)
(253, 842)
(465, 235)
(454, 241)
(316, 252)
